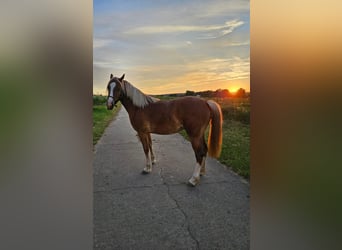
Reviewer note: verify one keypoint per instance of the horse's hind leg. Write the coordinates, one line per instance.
(205, 147)
(153, 159)
(144, 138)
(200, 149)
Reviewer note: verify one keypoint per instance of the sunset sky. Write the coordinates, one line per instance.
(172, 46)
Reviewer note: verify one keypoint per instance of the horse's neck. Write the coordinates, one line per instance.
(128, 104)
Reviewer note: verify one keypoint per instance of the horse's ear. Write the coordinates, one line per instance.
(122, 77)
(111, 76)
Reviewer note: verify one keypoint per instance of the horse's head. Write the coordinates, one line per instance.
(114, 88)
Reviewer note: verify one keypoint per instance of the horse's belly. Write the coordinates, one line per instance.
(165, 128)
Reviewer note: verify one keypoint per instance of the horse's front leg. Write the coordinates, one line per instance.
(145, 143)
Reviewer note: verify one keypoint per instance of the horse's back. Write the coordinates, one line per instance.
(191, 106)
(181, 106)
(164, 117)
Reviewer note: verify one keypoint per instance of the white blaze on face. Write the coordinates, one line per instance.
(111, 93)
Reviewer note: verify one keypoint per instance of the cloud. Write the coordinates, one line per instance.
(231, 26)
(233, 44)
(203, 74)
(209, 9)
(219, 30)
(104, 64)
(99, 43)
(229, 69)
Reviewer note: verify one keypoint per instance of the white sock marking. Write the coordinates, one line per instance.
(148, 167)
(197, 170)
(203, 162)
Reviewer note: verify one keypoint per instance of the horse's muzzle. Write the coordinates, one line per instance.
(111, 102)
(110, 106)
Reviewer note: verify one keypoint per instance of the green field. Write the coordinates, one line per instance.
(101, 116)
(236, 129)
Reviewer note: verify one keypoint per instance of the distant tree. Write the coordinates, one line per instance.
(99, 100)
(224, 93)
(206, 93)
(190, 93)
(240, 93)
(221, 93)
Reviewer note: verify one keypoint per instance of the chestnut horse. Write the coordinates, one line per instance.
(150, 115)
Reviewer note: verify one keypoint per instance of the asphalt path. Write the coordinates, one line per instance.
(159, 210)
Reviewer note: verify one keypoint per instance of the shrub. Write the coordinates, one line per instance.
(99, 100)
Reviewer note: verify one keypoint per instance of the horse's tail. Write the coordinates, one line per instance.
(215, 131)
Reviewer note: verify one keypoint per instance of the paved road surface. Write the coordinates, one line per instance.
(159, 211)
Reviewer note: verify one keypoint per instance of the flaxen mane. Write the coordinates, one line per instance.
(138, 98)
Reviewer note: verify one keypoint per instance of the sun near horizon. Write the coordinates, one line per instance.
(233, 90)
(173, 87)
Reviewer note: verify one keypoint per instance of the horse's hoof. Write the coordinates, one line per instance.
(190, 184)
(193, 182)
(144, 172)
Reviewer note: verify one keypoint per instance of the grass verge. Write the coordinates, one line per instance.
(235, 147)
(101, 118)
